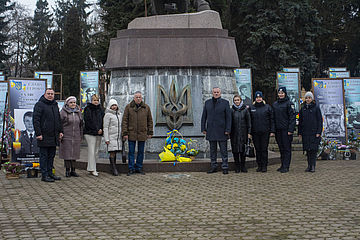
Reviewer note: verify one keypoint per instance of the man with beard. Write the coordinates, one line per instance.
(333, 120)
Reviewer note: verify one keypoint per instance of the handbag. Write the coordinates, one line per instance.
(249, 149)
(123, 153)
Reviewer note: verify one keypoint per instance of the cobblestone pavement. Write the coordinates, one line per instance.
(295, 205)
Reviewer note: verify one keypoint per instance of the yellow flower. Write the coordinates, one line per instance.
(183, 147)
(168, 146)
(175, 145)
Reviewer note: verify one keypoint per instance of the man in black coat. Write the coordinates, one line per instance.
(216, 124)
(48, 131)
(285, 120)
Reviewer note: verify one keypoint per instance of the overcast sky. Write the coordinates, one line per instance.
(31, 4)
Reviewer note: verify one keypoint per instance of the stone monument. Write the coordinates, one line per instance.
(175, 60)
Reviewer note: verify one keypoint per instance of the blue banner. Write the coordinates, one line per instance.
(23, 95)
(337, 69)
(329, 95)
(243, 84)
(45, 75)
(352, 103)
(339, 74)
(289, 69)
(89, 85)
(290, 80)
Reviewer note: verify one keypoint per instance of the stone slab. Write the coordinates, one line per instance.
(204, 19)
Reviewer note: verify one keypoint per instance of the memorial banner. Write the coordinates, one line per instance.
(244, 84)
(3, 91)
(352, 103)
(23, 95)
(48, 75)
(291, 70)
(290, 80)
(329, 95)
(89, 85)
(339, 74)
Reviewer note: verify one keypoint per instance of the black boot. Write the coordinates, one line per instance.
(309, 162)
(264, 168)
(259, 168)
(67, 172)
(242, 165)
(113, 166)
(237, 162)
(73, 173)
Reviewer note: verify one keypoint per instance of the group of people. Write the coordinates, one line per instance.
(219, 122)
(65, 129)
(259, 121)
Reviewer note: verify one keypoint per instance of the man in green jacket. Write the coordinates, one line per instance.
(137, 126)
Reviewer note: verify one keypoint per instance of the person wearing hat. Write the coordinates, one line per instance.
(285, 120)
(72, 122)
(112, 133)
(310, 128)
(262, 126)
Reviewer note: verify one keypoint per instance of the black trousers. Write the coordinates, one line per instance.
(261, 143)
(284, 142)
(223, 152)
(311, 157)
(239, 159)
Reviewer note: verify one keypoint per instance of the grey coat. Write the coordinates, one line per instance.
(72, 123)
(216, 119)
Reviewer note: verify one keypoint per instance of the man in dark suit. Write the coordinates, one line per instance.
(216, 124)
(27, 137)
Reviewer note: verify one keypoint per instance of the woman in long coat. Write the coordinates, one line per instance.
(112, 132)
(71, 120)
(310, 128)
(240, 132)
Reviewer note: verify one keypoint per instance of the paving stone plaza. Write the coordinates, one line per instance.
(190, 205)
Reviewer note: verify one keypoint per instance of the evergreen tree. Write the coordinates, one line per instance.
(40, 35)
(4, 7)
(73, 53)
(271, 35)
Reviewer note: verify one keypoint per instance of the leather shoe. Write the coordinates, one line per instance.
(47, 179)
(264, 169)
(225, 171)
(74, 174)
(140, 171)
(212, 170)
(131, 172)
(243, 169)
(54, 177)
(258, 169)
(307, 169)
(284, 170)
(279, 169)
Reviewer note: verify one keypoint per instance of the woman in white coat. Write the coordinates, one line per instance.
(112, 132)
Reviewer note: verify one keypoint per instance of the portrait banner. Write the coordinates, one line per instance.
(23, 95)
(329, 95)
(3, 91)
(48, 75)
(89, 85)
(291, 69)
(339, 74)
(352, 104)
(290, 80)
(244, 84)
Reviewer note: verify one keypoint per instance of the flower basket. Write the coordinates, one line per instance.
(12, 169)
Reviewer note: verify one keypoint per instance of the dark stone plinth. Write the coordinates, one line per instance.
(188, 47)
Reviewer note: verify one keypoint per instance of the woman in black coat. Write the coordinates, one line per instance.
(285, 121)
(93, 130)
(262, 127)
(310, 128)
(240, 132)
